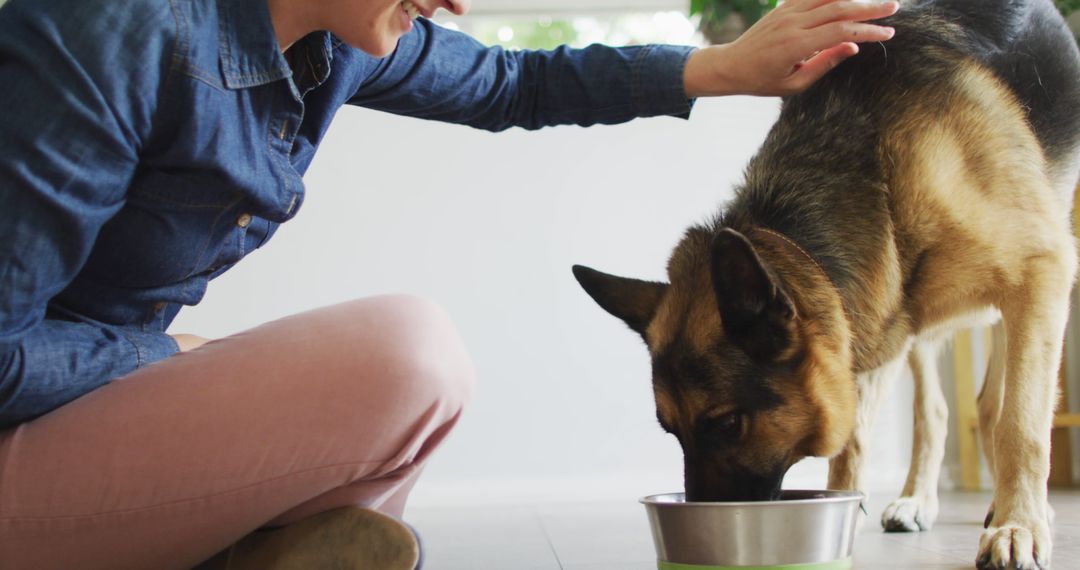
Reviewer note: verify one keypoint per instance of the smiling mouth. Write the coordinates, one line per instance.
(411, 9)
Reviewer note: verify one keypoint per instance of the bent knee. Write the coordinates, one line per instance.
(412, 347)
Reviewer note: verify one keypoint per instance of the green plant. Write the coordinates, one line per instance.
(1067, 6)
(723, 20)
(751, 10)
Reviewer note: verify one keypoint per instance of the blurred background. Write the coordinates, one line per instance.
(488, 225)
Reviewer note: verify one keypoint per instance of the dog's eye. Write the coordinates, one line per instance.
(725, 427)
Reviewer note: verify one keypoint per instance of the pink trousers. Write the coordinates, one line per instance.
(163, 468)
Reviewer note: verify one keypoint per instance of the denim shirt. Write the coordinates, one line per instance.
(149, 145)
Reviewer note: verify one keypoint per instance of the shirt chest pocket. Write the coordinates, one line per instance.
(170, 229)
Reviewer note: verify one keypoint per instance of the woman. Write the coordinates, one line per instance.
(148, 146)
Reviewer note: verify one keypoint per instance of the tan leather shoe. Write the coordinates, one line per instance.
(349, 538)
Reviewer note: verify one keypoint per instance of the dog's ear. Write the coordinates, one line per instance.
(632, 300)
(756, 312)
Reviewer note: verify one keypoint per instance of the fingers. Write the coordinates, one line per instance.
(809, 71)
(846, 11)
(859, 7)
(803, 5)
(829, 35)
(793, 46)
(825, 24)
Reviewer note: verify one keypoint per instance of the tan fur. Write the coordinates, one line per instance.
(692, 298)
(821, 392)
(976, 228)
(972, 197)
(954, 216)
(825, 336)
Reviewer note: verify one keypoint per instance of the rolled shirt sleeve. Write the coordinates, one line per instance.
(58, 361)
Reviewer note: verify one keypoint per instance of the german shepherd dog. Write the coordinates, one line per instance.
(922, 186)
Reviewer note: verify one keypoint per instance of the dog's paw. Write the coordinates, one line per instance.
(1051, 515)
(1012, 546)
(910, 514)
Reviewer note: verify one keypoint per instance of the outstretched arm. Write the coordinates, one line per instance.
(443, 75)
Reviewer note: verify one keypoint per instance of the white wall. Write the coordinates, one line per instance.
(488, 225)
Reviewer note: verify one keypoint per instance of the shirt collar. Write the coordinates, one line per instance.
(250, 54)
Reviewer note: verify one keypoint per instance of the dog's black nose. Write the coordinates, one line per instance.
(712, 485)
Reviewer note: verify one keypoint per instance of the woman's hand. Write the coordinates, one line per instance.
(788, 49)
(188, 342)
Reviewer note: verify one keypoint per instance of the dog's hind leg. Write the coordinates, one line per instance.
(1034, 313)
(917, 507)
(845, 470)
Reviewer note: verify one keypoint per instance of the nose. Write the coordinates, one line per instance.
(457, 7)
(708, 482)
(743, 489)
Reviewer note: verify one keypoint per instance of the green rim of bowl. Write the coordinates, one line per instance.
(845, 564)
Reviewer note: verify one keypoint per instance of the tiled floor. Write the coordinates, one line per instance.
(615, 536)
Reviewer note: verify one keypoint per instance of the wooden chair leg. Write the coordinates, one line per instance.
(966, 414)
(1061, 440)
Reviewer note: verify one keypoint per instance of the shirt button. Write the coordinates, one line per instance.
(244, 220)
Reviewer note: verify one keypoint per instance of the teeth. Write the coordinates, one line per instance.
(411, 9)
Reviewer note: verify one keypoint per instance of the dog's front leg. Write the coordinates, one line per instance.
(845, 470)
(917, 507)
(1018, 535)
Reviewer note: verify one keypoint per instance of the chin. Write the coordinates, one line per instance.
(380, 47)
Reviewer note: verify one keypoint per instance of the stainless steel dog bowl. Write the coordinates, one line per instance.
(804, 530)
